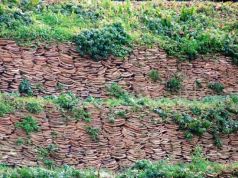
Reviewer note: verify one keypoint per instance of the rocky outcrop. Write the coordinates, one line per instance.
(56, 68)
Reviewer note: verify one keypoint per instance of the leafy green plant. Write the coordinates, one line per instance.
(198, 84)
(69, 8)
(217, 87)
(54, 134)
(121, 113)
(222, 123)
(12, 18)
(101, 43)
(34, 107)
(115, 114)
(191, 125)
(93, 132)
(81, 113)
(20, 141)
(187, 13)
(190, 48)
(49, 163)
(230, 48)
(214, 121)
(5, 108)
(45, 154)
(25, 87)
(47, 151)
(28, 124)
(154, 75)
(118, 92)
(174, 84)
(67, 100)
(161, 26)
(196, 111)
(24, 5)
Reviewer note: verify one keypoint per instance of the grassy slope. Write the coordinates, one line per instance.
(14, 102)
(182, 29)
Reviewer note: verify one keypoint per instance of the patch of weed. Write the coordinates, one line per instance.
(28, 124)
(93, 132)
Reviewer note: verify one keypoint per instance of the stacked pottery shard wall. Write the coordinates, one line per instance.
(127, 139)
(120, 143)
(59, 68)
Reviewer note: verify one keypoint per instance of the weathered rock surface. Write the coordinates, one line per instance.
(58, 68)
(120, 143)
(126, 140)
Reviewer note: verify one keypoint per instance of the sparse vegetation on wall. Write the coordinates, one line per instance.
(174, 84)
(154, 75)
(25, 87)
(28, 124)
(199, 166)
(217, 87)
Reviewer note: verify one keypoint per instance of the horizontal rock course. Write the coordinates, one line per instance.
(60, 68)
(120, 143)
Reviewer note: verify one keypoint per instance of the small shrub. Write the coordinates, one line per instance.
(49, 163)
(116, 91)
(154, 75)
(198, 84)
(161, 26)
(34, 107)
(70, 8)
(115, 114)
(45, 154)
(20, 141)
(216, 87)
(119, 93)
(190, 48)
(174, 84)
(191, 125)
(230, 48)
(81, 113)
(28, 124)
(93, 132)
(14, 18)
(213, 121)
(101, 43)
(25, 87)
(67, 101)
(121, 113)
(187, 13)
(222, 123)
(196, 111)
(5, 108)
